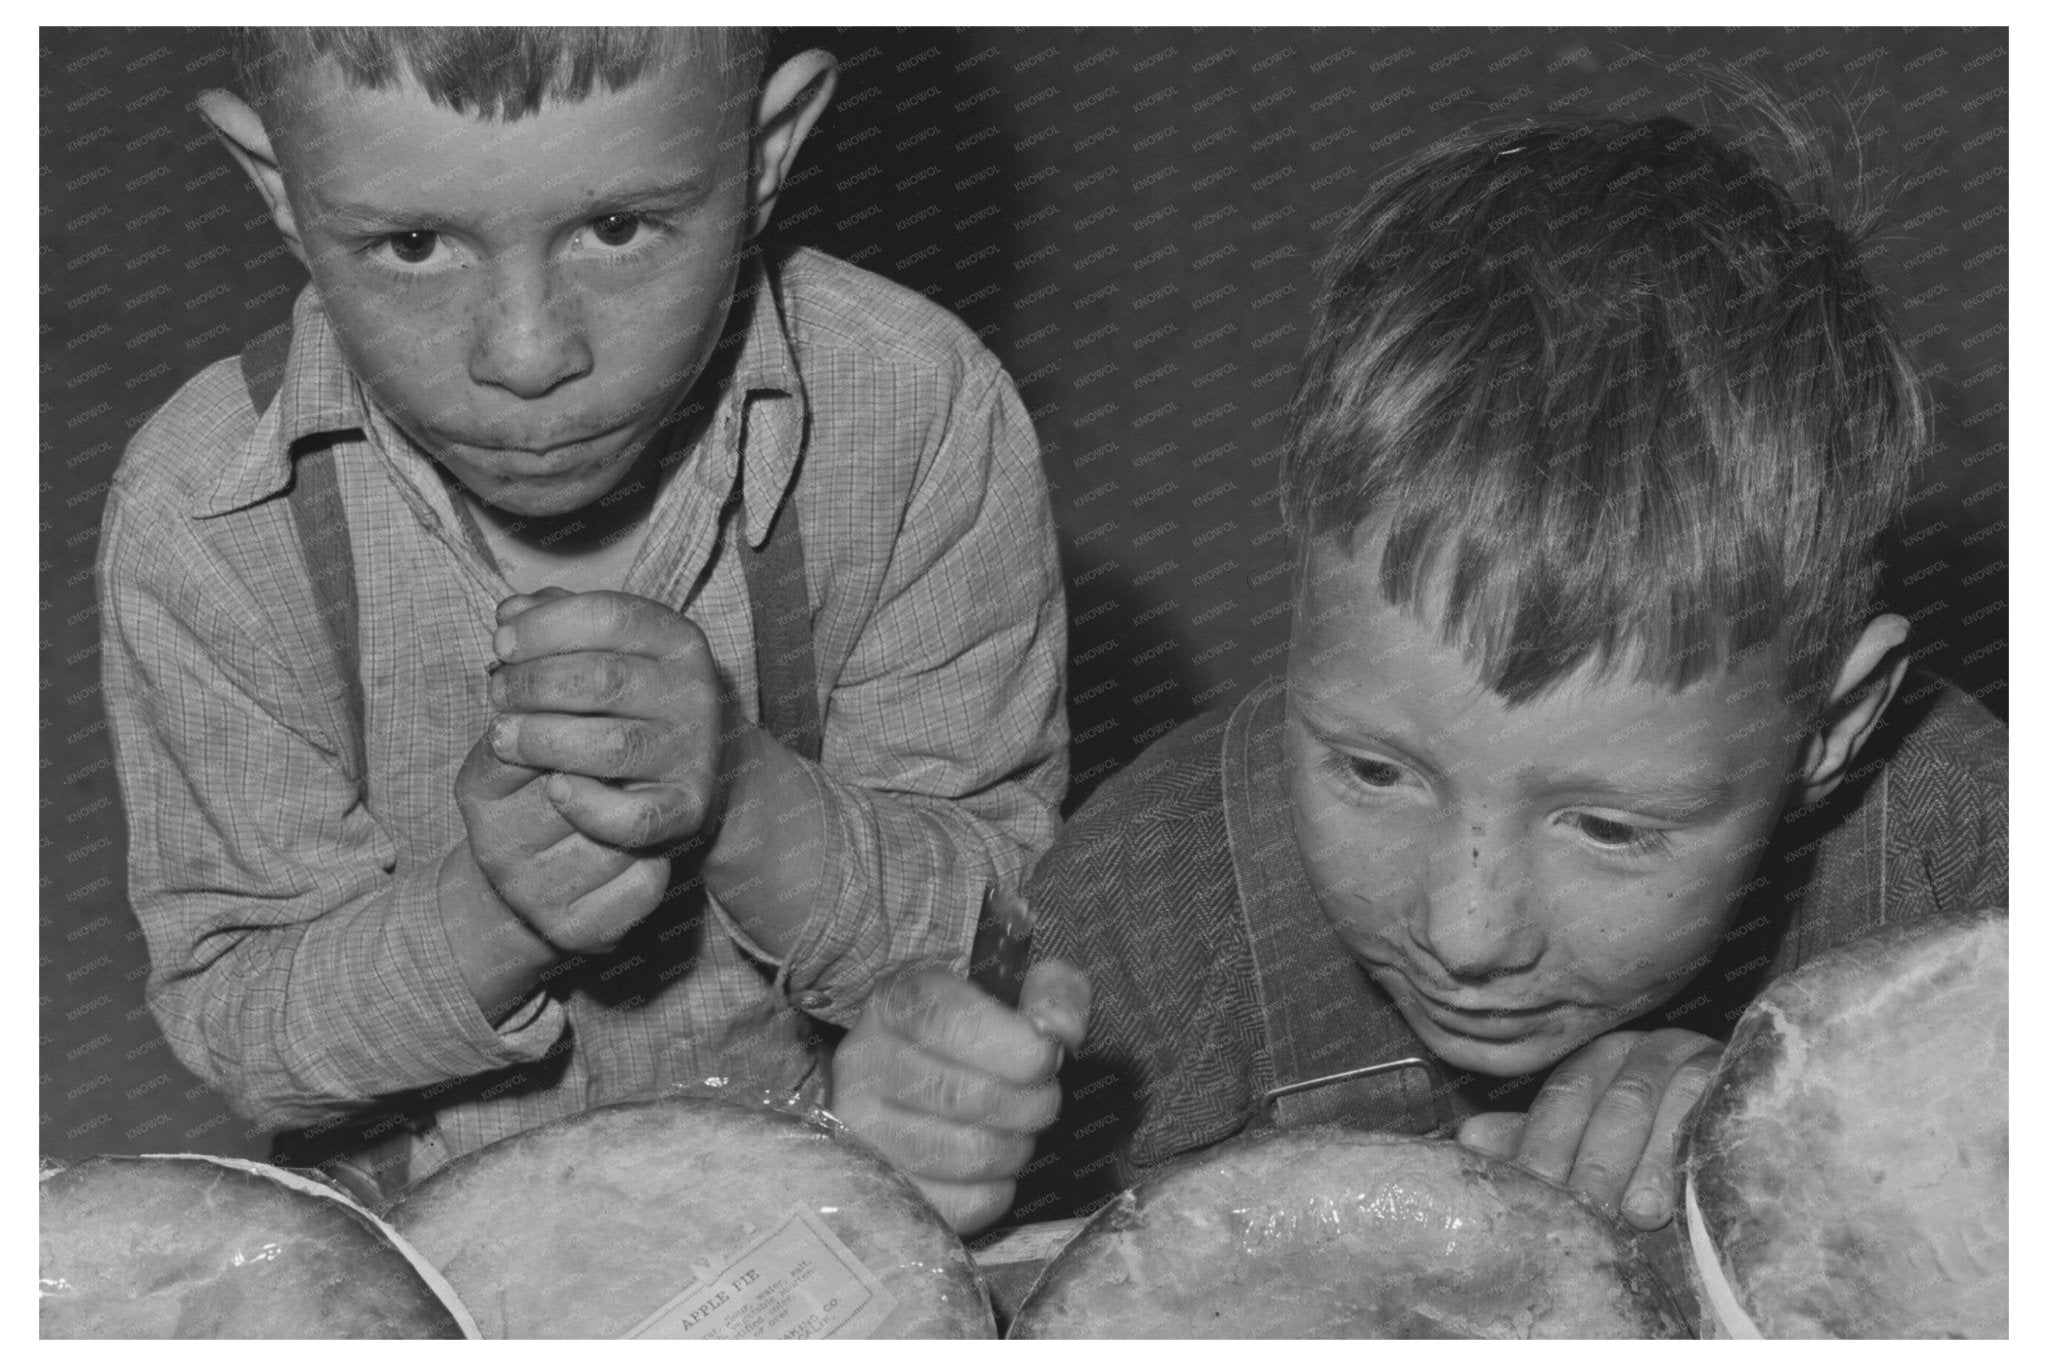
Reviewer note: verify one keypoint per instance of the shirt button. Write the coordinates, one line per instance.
(814, 1000)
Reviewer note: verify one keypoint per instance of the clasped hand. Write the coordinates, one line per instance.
(604, 754)
(618, 696)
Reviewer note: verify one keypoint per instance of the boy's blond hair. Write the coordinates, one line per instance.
(1616, 392)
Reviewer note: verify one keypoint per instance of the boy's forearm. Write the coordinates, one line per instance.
(498, 955)
(767, 864)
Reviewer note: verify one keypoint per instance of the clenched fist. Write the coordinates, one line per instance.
(951, 1085)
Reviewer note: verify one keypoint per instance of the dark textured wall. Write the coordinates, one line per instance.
(1128, 219)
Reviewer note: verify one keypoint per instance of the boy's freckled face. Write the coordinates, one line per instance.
(1519, 880)
(527, 298)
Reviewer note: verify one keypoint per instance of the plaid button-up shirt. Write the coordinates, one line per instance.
(298, 958)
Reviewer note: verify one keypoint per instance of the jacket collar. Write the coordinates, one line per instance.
(321, 398)
(1324, 1016)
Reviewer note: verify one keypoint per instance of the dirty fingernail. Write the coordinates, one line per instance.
(1059, 1045)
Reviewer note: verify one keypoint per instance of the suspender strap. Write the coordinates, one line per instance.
(781, 606)
(322, 526)
(331, 568)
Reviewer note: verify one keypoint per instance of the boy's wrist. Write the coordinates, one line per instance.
(497, 954)
(763, 856)
(726, 847)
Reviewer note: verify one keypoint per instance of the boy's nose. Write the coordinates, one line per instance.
(527, 338)
(1475, 907)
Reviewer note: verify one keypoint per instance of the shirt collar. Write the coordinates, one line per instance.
(774, 410)
(319, 396)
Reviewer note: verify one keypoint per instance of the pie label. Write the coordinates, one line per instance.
(795, 1283)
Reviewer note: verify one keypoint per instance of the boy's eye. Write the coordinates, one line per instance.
(616, 229)
(413, 248)
(1375, 772)
(1615, 834)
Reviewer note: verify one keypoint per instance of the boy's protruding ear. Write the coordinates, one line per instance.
(791, 100)
(248, 142)
(1869, 679)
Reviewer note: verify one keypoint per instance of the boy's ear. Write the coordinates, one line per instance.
(791, 100)
(248, 142)
(1869, 679)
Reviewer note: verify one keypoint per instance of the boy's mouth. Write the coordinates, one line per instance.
(549, 457)
(508, 456)
(1492, 1012)
(1492, 1024)
(557, 464)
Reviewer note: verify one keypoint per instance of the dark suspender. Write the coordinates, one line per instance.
(777, 596)
(331, 565)
(781, 607)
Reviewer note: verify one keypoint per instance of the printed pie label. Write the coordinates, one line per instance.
(795, 1283)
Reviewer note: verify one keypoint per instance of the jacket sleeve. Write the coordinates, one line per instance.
(1139, 893)
(291, 968)
(1084, 1158)
(1957, 803)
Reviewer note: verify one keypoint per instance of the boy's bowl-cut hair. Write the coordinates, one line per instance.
(494, 73)
(1617, 396)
